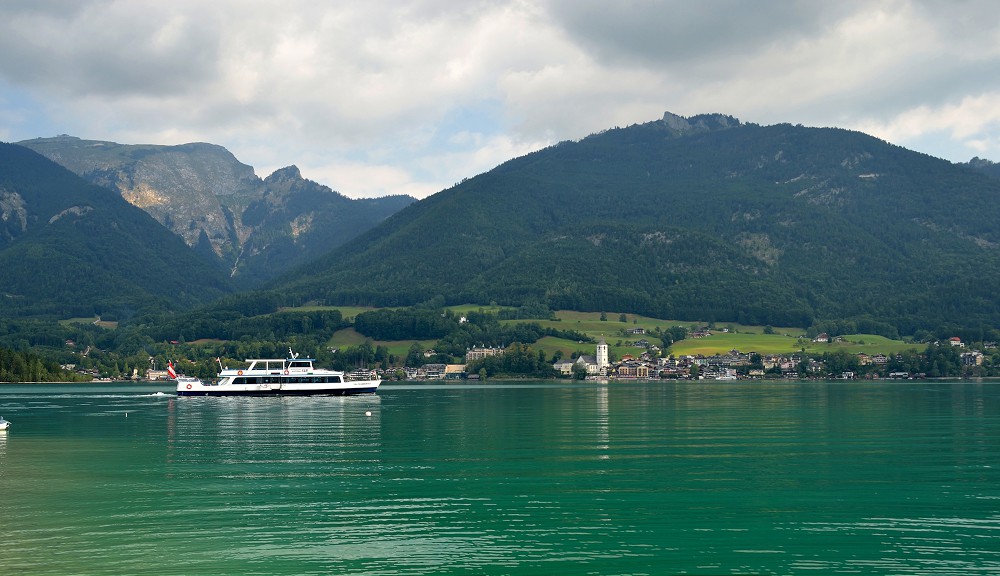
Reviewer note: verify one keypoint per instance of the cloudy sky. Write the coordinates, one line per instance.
(386, 97)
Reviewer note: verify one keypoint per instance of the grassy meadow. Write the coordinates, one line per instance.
(95, 320)
(613, 330)
(345, 311)
(720, 343)
(724, 338)
(350, 337)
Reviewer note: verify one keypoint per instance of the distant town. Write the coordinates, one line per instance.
(648, 365)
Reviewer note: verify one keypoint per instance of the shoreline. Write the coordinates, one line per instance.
(606, 382)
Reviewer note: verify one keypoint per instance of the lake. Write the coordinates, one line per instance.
(538, 478)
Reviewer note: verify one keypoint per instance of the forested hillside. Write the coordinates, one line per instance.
(29, 367)
(72, 249)
(702, 218)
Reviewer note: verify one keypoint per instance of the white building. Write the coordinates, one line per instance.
(597, 364)
(602, 356)
(481, 352)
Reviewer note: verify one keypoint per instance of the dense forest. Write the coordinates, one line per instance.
(31, 367)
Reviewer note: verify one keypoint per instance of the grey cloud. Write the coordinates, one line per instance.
(102, 49)
(377, 82)
(679, 33)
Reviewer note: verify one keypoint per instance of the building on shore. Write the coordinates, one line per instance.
(596, 365)
(480, 352)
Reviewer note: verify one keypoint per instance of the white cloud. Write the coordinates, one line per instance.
(972, 125)
(364, 180)
(389, 97)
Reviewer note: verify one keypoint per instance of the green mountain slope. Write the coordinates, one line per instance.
(70, 248)
(297, 220)
(701, 218)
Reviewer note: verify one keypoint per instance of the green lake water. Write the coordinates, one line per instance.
(533, 478)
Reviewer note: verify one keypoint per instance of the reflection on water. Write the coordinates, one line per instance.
(534, 478)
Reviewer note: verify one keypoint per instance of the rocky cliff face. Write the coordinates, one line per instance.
(699, 123)
(192, 189)
(202, 193)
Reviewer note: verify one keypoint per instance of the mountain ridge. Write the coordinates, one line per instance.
(782, 225)
(201, 192)
(71, 248)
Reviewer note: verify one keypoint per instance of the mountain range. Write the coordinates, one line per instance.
(704, 218)
(69, 248)
(256, 228)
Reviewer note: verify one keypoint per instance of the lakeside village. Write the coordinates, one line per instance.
(735, 365)
(649, 365)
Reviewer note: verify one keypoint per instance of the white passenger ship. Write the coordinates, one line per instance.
(291, 376)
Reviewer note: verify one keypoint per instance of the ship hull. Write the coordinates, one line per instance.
(206, 391)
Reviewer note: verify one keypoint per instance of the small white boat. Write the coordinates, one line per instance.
(292, 376)
(4, 424)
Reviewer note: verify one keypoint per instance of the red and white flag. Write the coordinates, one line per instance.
(170, 370)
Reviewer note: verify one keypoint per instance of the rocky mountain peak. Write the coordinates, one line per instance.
(699, 123)
(284, 174)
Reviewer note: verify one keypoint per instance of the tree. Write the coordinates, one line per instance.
(415, 356)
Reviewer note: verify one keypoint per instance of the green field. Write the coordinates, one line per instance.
(95, 320)
(590, 323)
(345, 311)
(720, 343)
(349, 337)
(739, 337)
(724, 336)
(466, 308)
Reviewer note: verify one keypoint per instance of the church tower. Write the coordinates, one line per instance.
(602, 355)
